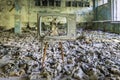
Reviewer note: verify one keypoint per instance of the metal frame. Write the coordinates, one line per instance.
(71, 26)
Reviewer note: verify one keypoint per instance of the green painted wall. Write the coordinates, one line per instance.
(102, 13)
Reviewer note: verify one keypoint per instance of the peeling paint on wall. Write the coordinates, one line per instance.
(103, 12)
(29, 13)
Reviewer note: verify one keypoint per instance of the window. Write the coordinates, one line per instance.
(118, 10)
(74, 3)
(37, 3)
(105, 1)
(80, 3)
(77, 4)
(51, 2)
(48, 3)
(101, 2)
(68, 3)
(87, 4)
(58, 3)
(44, 2)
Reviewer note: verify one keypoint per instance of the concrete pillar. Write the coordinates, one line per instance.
(112, 7)
(63, 3)
(94, 9)
(71, 26)
(17, 28)
(93, 4)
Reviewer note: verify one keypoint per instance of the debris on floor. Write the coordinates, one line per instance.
(94, 56)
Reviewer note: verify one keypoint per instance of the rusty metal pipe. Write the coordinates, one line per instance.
(62, 53)
(44, 54)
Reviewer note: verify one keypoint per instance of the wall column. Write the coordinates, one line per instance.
(63, 3)
(17, 18)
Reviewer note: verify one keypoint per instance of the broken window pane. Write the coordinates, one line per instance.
(68, 3)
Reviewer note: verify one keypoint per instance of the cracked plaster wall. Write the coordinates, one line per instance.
(28, 13)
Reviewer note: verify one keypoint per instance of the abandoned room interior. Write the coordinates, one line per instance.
(59, 40)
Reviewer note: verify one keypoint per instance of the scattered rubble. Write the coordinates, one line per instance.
(92, 56)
